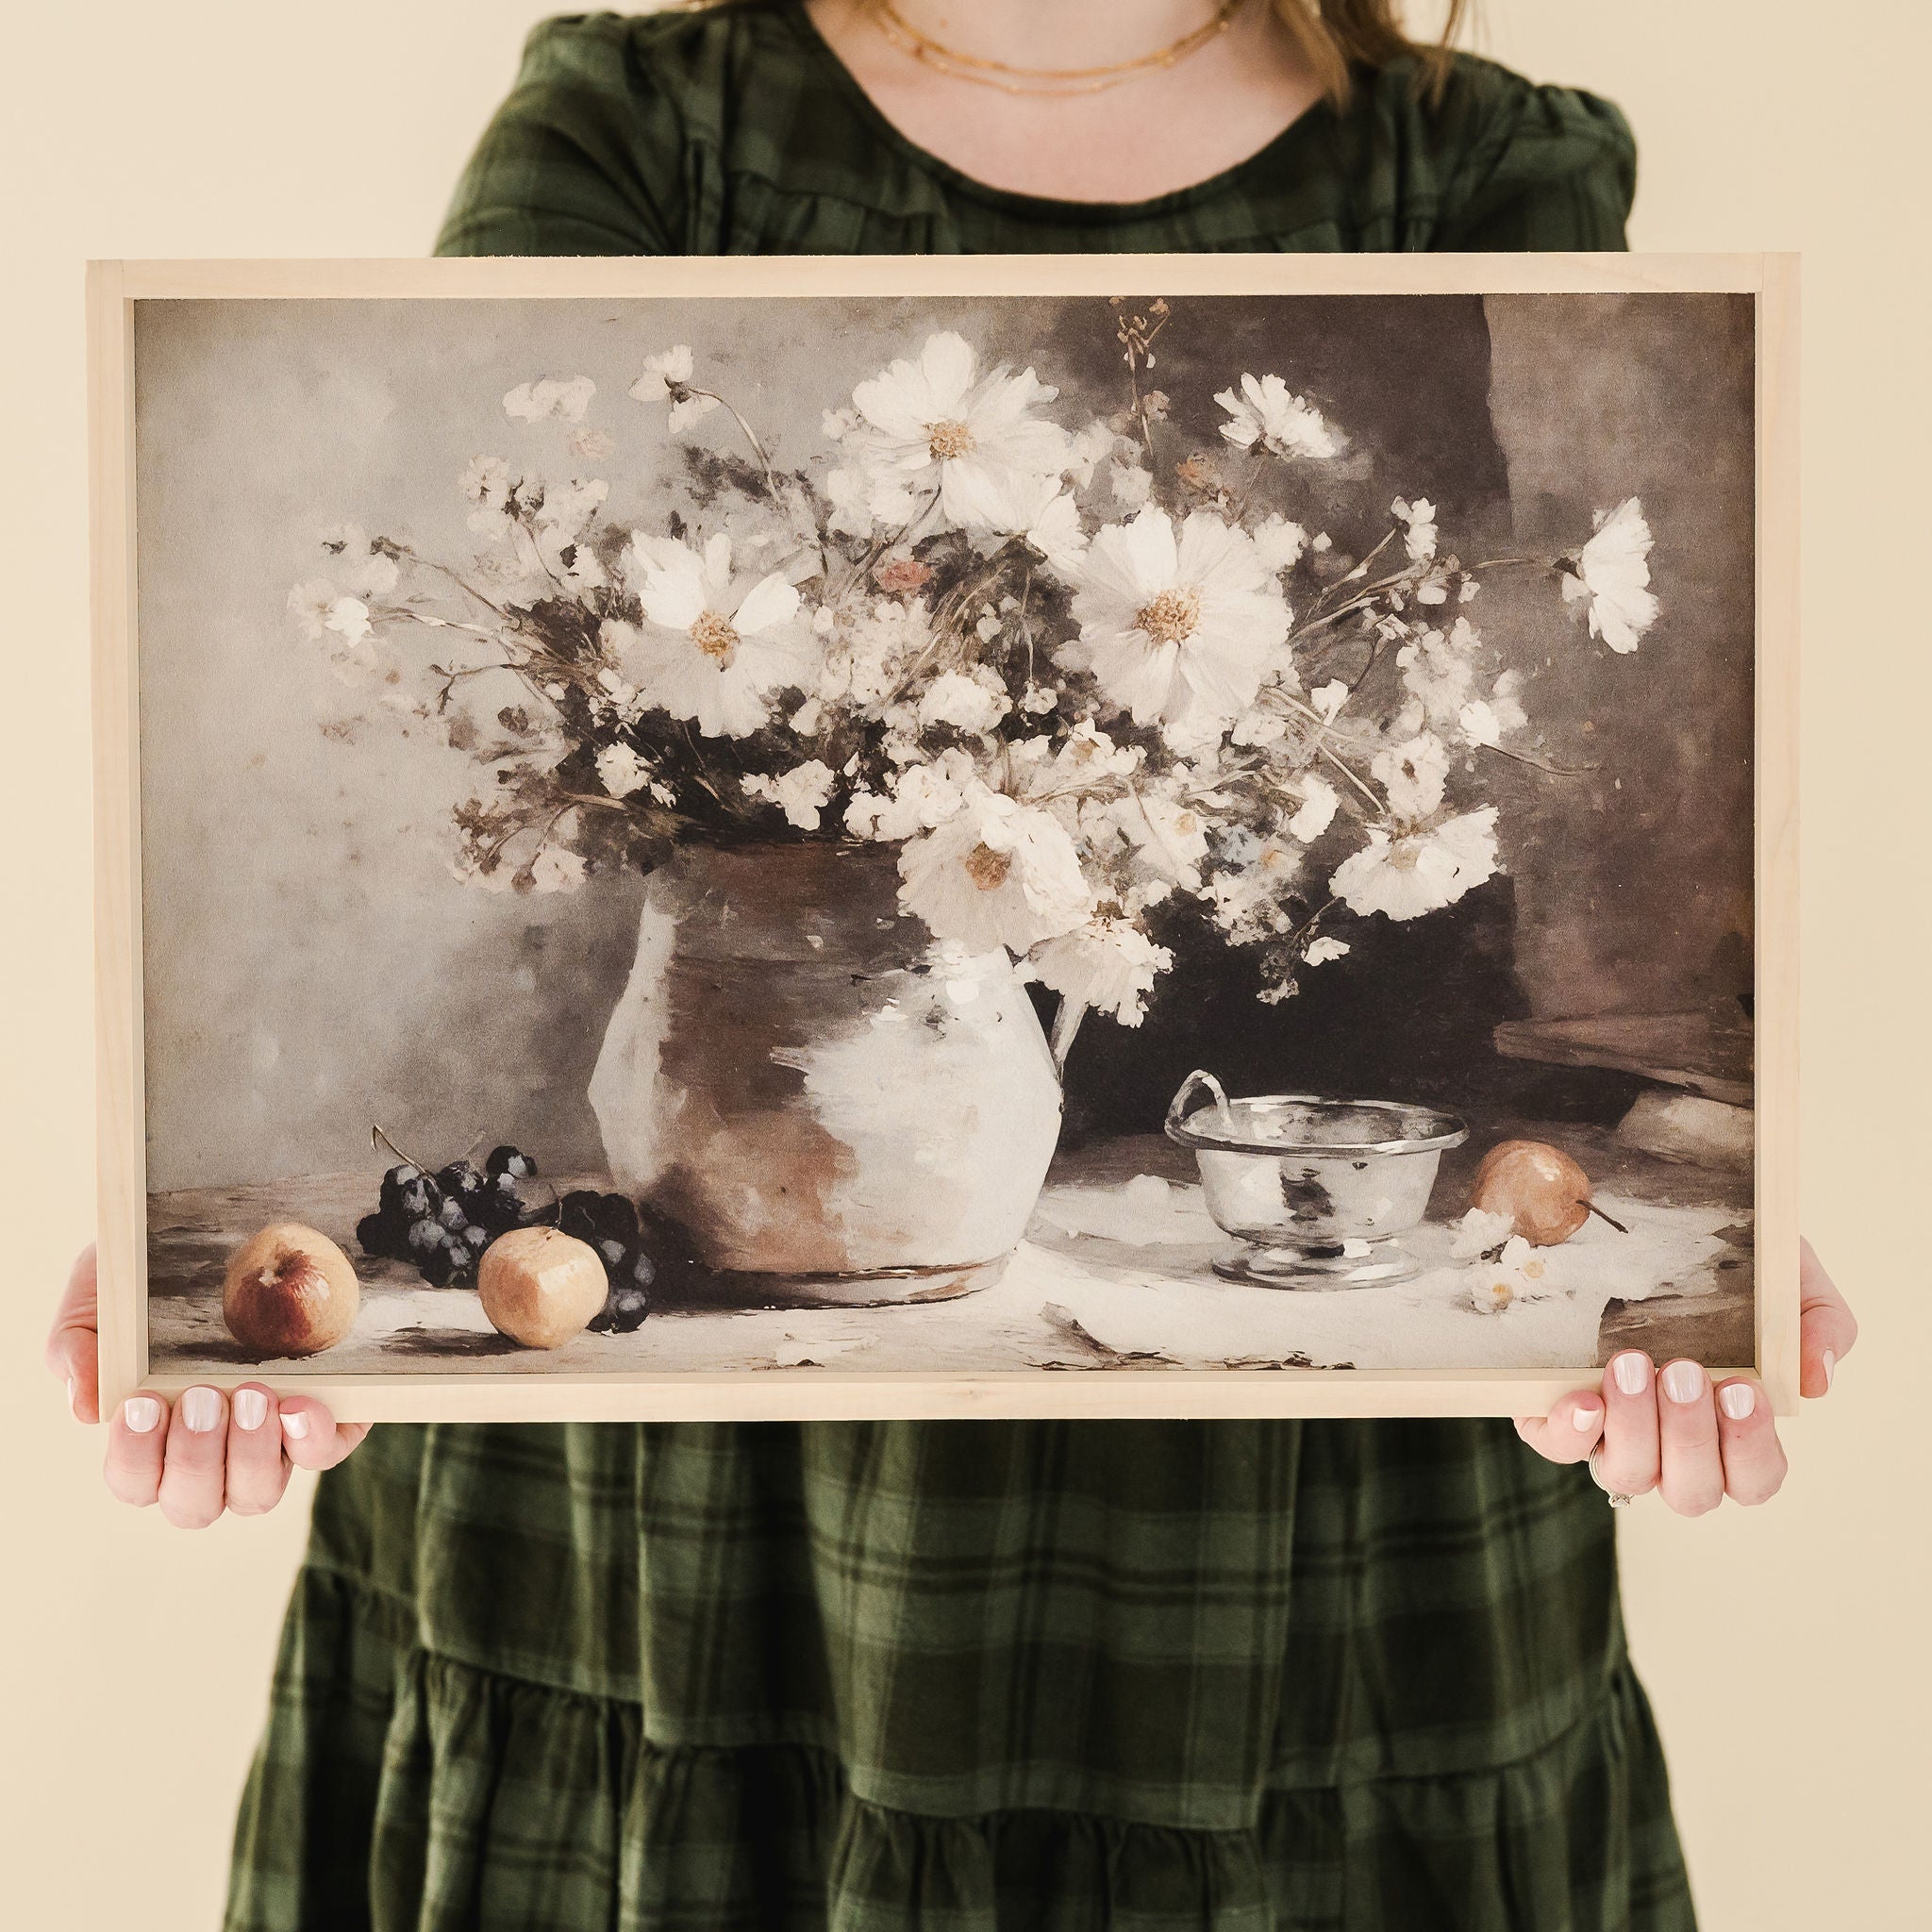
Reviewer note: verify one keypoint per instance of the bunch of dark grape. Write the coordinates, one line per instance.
(441, 1223)
(611, 1224)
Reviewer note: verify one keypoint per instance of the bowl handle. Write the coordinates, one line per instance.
(1197, 1082)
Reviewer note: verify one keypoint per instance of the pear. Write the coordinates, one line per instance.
(288, 1291)
(540, 1285)
(1545, 1193)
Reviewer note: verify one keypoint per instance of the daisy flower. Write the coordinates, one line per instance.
(1108, 965)
(802, 793)
(1413, 775)
(1047, 518)
(1316, 813)
(1177, 628)
(1279, 543)
(667, 377)
(1610, 577)
(1409, 873)
(972, 701)
(323, 613)
(620, 771)
(531, 402)
(1268, 412)
(1519, 1273)
(713, 646)
(995, 873)
(1248, 899)
(366, 570)
(938, 425)
(556, 869)
(1419, 527)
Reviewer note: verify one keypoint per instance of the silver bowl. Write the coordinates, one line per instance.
(1319, 1190)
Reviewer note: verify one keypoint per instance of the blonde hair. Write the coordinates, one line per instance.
(1333, 36)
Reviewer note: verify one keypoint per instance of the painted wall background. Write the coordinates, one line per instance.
(1785, 1648)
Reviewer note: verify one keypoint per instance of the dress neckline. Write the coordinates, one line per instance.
(1042, 208)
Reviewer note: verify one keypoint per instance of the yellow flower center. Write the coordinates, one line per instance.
(950, 439)
(1170, 617)
(987, 868)
(714, 636)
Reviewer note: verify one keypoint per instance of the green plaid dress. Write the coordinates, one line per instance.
(1360, 1678)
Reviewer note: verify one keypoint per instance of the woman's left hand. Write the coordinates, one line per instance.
(1693, 1442)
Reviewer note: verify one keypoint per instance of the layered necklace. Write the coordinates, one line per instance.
(1043, 80)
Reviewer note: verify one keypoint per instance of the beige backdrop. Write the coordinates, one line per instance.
(1786, 1648)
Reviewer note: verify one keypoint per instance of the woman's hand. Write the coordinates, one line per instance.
(214, 1452)
(1676, 1432)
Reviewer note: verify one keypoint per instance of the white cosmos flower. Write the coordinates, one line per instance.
(995, 873)
(1088, 446)
(1320, 802)
(1419, 871)
(802, 793)
(713, 646)
(1169, 839)
(557, 869)
(364, 568)
(972, 701)
(1248, 901)
(1329, 698)
(1479, 723)
(1413, 776)
(667, 377)
(323, 614)
(938, 425)
(558, 528)
(1108, 965)
(923, 796)
(1046, 516)
(1611, 578)
(1419, 533)
(1477, 1232)
(1267, 411)
(620, 771)
(1177, 629)
(1279, 543)
(530, 402)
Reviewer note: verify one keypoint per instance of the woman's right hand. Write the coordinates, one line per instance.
(213, 1451)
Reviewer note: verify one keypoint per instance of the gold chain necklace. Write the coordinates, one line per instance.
(1042, 80)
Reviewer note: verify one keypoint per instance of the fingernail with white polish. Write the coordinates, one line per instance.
(1830, 1367)
(1738, 1400)
(1586, 1415)
(201, 1409)
(294, 1423)
(1632, 1372)
(251, 1408)
(140, 1413)
(1683, 1381)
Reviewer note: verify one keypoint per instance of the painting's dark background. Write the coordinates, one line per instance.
(312, 966)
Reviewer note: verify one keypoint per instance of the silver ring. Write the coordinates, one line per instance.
(1618, 1499)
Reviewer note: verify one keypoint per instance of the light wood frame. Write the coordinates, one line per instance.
(115, 286)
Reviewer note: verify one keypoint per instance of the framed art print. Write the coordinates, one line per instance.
(1007, 836)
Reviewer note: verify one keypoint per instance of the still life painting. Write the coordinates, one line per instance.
(764, 848)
